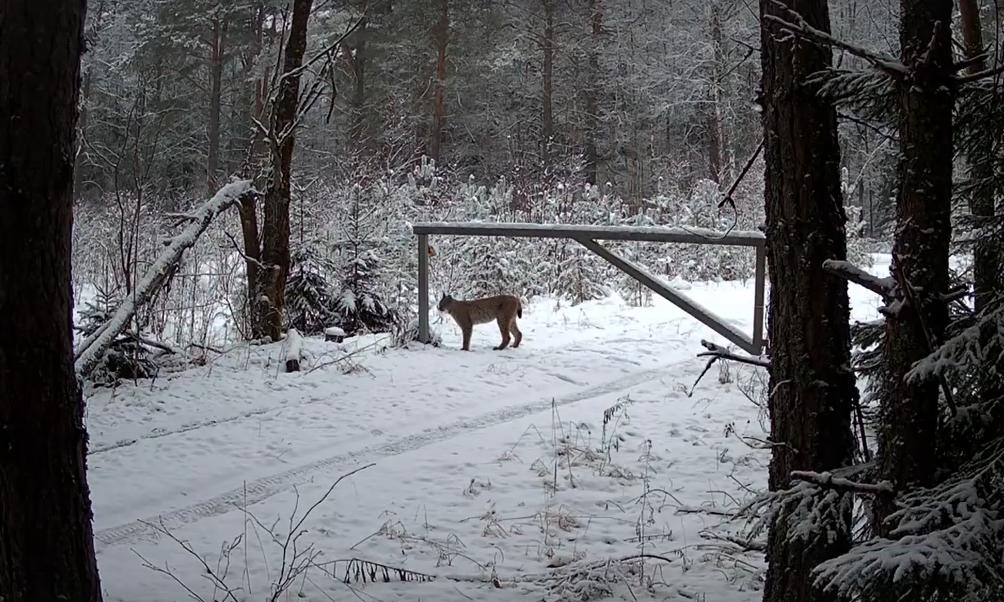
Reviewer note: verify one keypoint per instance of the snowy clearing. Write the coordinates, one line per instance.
(489, 468)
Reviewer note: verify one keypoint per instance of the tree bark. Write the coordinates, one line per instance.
(988, 281)
(217, 43)
(275, 229)
(590, 153)
(257, 310)
(359, 134)
(908, 443)
(717, 145)
(441, 39)
(811, 383)
(547, 112)
(78, 172)
(46, 538)
(986, 256)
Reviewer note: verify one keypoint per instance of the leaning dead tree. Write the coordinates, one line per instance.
(88, 354)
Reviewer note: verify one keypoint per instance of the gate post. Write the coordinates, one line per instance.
(423, 288)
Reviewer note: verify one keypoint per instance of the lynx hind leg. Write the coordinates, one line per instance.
(504, 329)
(517, 335)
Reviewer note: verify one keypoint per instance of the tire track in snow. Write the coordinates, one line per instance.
(264, 488)
(101, 449)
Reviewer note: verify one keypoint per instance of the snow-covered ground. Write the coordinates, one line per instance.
(506, 474)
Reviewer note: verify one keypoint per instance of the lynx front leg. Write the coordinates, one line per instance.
(466, 329)
(504, 329)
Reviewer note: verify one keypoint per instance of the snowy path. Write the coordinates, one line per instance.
(475, 475)
(262, 488)
(205, 432)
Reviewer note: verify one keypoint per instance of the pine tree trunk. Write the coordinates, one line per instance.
(716, 135)
(275, 229)
(441, 39)
(257, 309)
(248, 208)
(217, 41)
(812, 386)
(590, 153)
(46, 538)
(78, 172)
(988, 254)
(920, 251)
(547, 113)
(359, 134)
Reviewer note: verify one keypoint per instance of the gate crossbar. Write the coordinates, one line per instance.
(587, 237)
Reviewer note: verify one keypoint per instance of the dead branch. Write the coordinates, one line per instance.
(347, 356)
(965, 79)
(245, 256)
(716, 353)
(323, 53)
(826, 479)
(801, 28)
(645, 556)
(748, 545)
(166, 571)
(882, 287)
(711, 511)
(187, 547)
(132, 334)
(719, 352)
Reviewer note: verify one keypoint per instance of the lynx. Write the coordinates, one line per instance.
(504, 309)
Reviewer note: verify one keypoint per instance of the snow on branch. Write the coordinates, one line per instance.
(882, 287)
(800, 27)
(962, 556)
(948, 539)
(826, 479)
(974, 346)
(718, 353)
(805, 513)
(973, 489)
(986, 74)
(90, 351)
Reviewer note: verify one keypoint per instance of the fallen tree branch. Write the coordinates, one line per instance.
(719, 352)
(826, 479)
(347, 355)
(646, 556)
(882, 287)
(151, 343)
(748, 545)
(90, 351)
(716, 353)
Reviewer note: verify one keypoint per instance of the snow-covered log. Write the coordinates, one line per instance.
(90, 351)
(294, 350)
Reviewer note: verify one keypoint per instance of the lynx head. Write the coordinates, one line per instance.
(445, 301)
